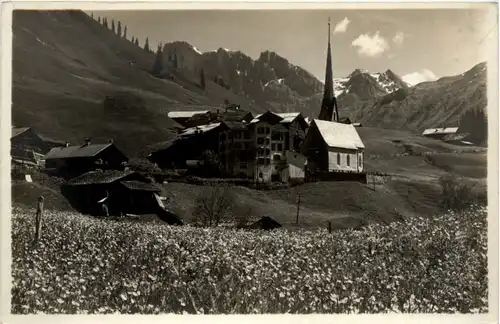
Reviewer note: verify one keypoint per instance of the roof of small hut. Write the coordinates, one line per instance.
(100, 177)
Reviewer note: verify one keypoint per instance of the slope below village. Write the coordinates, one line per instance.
(67, 65)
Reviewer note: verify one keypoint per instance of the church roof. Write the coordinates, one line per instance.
(339, 135)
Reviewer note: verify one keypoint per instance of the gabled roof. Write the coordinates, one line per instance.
(202, 128)
(235, 125)
(267, 114)
(339, 135)
(288, 117)
(76, 151)
(186, 114)
(99, 177)
(140, 186)
(447, 130)
(18, 131)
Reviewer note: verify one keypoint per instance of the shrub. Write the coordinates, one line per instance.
(213, 204)
(457, 194)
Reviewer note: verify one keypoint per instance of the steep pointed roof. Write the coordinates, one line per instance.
(328, 91)
(329, 103)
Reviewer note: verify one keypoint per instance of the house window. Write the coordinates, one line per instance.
(268, 151)
(273, 147)
(348, 160)
(280, 147)
(246, 135)
(268, 130)
(260, 130)
(338, 158)
(237, 135)
(260, 140)
(260, 161)
(223, 136)
(276, 157)
(268, 161)
(267, 141)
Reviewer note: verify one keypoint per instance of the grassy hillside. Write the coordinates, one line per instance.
(64, 66)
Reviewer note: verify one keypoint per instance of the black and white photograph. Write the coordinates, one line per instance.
(238, 161)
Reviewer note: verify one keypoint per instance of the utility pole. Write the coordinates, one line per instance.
(298, 207)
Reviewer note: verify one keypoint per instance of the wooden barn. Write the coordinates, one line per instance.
(333, 147)
(123, 192)
(265, 223)
(439, 133)
(188, 146)
(182, 117)
(71, 161)
(24, 139)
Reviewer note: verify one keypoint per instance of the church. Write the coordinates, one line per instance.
(330, 145)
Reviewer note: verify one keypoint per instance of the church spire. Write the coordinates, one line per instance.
(329, 104)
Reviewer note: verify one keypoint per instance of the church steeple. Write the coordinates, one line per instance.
(329, 105)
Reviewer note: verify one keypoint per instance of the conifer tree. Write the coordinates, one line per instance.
(137, 41)
(146, 45)
(99, 19)
(92, 15)
(119, 29)
(113, 26)
(176, 64)
(105, 22)
(133, 40)
(125, 32)
(158, 64)
(202, 79)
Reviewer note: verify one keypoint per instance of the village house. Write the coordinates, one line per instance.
(187, 148)
(258, 150)
(70, 161)
(439, 133)
(333, 147)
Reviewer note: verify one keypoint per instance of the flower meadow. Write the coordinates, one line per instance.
(85, 265)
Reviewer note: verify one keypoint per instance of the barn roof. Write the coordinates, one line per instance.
(339, 135)
(18, 131)
(186, 114)
(140, 186)
(447, 130)
(76, 151)
(99, 177)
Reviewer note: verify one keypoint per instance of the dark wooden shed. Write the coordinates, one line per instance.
(265, 223)
(125, 192)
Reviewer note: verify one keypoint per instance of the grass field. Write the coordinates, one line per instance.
(85, 265)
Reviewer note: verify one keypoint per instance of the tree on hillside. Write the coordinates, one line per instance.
(113, 26)
(99, 19)
(175, 63)
(202, 79)
(146, 45)
(92, 15)
(137, 41)
(158, 64)
(119, 29)
(133, 40)
(105, 22)
(125, 32)
(214, 204)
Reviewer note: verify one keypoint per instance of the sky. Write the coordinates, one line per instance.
(419, 45)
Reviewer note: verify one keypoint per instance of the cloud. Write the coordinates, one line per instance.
(370, 45)
(341, 26)
(419, 76)
(399, 38)
(391, 56)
